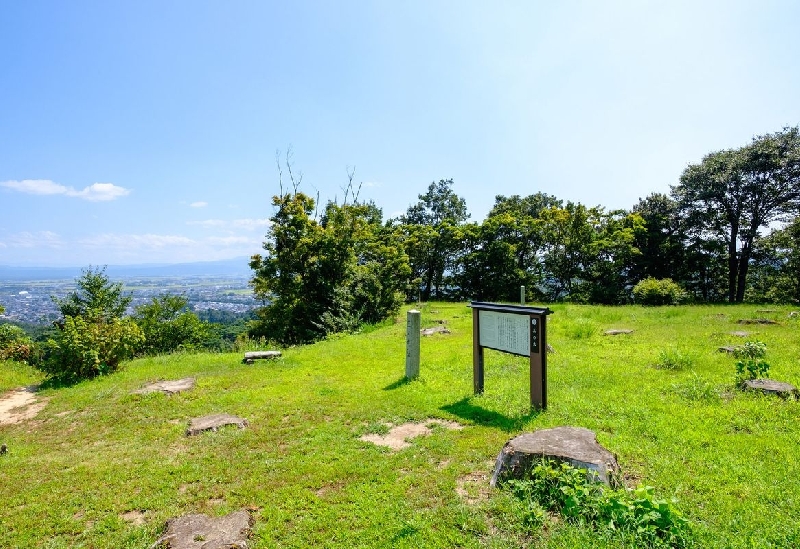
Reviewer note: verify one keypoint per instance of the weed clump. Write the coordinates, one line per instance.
(634, 515)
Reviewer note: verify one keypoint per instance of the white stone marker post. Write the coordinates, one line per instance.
(412, 344)
(522, 295)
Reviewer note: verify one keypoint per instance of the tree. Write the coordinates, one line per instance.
(432, 235)
(776, 267)
(168, 325)
(96, 297)
(734, 193)
(318, 278)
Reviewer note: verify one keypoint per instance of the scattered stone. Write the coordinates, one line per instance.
(168, 387)
(550, 349)
(617, 332)
(574, 445)
(3, 449)
(214, 422)
(204, 532)
(730, 349)
(435, 330)
(794, 314)
(740, 334)
(771, 387)
(251, 356)
(756, 321)
(766, 311)
(397, 438)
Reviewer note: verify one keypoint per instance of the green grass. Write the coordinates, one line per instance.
(97, 451)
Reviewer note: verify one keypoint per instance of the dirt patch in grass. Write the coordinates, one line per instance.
(398, 436)
(473, 488)
(20, 405)
(135, 517)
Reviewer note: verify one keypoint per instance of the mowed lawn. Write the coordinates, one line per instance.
(102, 467)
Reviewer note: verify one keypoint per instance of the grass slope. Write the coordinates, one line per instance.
(97, 452)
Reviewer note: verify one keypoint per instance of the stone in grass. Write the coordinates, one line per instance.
(771, 387)
(574, 445)
(214, 422)
(740, 334)
(730, 349)
(204, 532)
(436, 330)
(756, 321)
(167, 387)
(617, 332)
(251, 356)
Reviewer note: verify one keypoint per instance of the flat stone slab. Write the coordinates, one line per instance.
(739, 333)
(617, 332)
(771, 387)
(398, 437)
(168, 387)
(730, 349)
(214, 422)
(574, 445)
(252, 356)
(435, 330)
(756, 321)
(204, 532)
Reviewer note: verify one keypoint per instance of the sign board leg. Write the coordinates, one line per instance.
(477, 355)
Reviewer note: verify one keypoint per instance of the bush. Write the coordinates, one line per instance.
(751, 363)
(16, 345)
(633, 514)
(653, 291)
(167, 326)
(86, 348)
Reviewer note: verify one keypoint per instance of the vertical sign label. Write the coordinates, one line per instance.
(534, 335)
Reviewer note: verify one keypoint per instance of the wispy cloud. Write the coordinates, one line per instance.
(245, 224)
(97, 192)
(135, 241)
(41, 239)
(200, 204)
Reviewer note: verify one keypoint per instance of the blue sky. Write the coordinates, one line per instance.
(146, 132)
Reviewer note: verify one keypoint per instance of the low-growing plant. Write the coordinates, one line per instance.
(697, 389)
(751, 363)
(654, 291)
(674, 359)
(634, 514)
(581, 328)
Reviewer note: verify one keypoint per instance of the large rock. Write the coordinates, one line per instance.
(251, 356)
(574, 445)
(203, 532)
(771, 387)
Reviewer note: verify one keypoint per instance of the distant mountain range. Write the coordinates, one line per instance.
(237, 267)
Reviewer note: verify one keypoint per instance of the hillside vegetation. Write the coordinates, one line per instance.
(102, 467)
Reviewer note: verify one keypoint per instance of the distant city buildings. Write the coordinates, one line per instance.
(30, 301)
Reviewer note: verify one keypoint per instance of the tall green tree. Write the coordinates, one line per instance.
(733, 194)
(432, 233)
(776, 267)
(321, 277)
(168, 325)
(95, 296)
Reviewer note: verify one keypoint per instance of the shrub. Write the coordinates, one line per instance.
(652, 291)
(16, 345)
(86, 348)
(751, 363)
(634, 514)
(167, 326)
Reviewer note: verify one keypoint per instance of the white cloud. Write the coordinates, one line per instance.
(41, 239)
(198, 204)
(246, 224)
(229, 240)
(208, 223)
(369, 184)
(136, 241)
(97, 192)
(251, 224)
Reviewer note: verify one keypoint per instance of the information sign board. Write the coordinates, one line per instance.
(506, 332)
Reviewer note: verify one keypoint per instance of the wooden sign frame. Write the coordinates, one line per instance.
(514, 329)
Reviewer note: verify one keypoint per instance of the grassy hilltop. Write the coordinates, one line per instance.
(102, 467)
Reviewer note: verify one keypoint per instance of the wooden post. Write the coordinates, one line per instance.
(477, 354)
(522, 295)
(538, 369)
(412, 344)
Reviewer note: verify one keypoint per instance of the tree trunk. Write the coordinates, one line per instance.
(733, 262)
